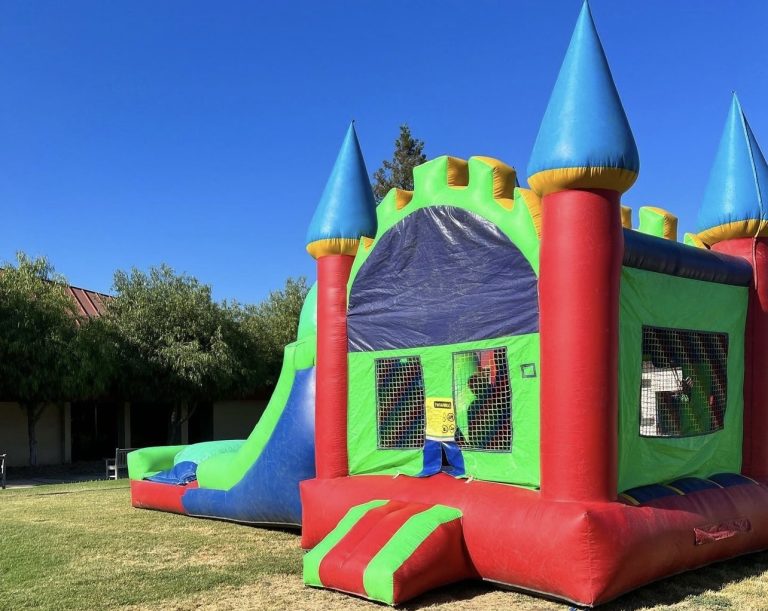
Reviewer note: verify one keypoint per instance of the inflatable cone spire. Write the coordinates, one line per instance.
(735, 201)
(347, 208)
(584, 140)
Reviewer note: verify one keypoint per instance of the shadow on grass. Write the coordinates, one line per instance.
(700, 588)
(75, 470)
(694, 586)
(463, 591)
(78, 491)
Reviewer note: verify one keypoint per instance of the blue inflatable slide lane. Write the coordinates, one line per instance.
(255, 481)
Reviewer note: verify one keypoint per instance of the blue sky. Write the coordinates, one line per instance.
(200, 134)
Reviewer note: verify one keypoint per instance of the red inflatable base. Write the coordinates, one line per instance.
(154, 495)
(586, 553)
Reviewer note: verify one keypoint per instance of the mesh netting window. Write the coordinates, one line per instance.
(482, 391)
(684, 382)
(400, 402)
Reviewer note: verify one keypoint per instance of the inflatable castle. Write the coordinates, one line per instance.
(511, 384)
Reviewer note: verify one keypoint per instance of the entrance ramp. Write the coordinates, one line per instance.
(391, 551)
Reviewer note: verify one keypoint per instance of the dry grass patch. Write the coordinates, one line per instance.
(288, 592)
(82, 546)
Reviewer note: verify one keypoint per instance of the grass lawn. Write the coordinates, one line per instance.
(82, 546)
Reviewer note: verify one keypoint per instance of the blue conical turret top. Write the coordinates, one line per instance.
(584, 139)
(735, 201)
(347, 208)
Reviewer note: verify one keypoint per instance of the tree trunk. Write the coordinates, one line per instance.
(174, 425)
(190, 411)
(177, 418)
(34, 411)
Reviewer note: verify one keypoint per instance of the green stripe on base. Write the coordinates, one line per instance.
(314, 557)
(378, 578)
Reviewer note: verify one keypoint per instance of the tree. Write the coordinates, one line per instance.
(95, 350)
(38, 353)
(270, 326)
(398, 173)
(170, 338)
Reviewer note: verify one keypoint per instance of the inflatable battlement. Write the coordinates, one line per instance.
(492, 181)
(481, 186)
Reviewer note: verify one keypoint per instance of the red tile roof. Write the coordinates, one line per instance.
(90, 304)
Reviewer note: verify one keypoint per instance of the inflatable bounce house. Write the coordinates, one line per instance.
(514, 384)
(254, 481)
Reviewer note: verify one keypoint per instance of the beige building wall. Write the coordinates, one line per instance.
(231, 420)
(236, 419)
(14, 441)
(13, 434)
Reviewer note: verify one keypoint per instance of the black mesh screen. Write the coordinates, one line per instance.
(684, 382)
(481, 389)
(400, 402)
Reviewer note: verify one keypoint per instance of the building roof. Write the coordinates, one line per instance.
(90, 304)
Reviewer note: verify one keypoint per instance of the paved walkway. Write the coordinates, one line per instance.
(26, 477)
(45, 481)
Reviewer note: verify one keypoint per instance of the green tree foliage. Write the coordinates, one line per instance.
(38, 349)
(398, 173)
(170, 339)
(163, 340)
(269, 326)
(96, 349)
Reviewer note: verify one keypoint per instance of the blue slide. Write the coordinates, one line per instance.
(254, 481)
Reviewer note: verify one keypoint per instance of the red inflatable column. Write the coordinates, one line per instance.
(332, 375)
(346, 212)
(755, 446)
(580, 272)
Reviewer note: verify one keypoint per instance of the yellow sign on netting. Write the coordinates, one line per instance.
(441, 420)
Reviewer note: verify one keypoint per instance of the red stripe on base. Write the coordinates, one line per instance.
(344, 566)
(440, 559)
(154, 495)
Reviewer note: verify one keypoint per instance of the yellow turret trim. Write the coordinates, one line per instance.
(563, 179)
(333, 246)
(753, 228)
